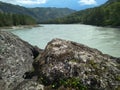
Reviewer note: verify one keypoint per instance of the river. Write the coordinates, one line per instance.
(104, 39)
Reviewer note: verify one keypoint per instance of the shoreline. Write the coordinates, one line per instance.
(19, 27)
(108, 26)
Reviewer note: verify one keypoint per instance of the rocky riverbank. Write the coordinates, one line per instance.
(62, 65)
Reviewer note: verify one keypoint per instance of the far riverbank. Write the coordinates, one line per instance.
(19, 27)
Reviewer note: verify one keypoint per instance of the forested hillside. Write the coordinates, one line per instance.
(7, 19)
(39, 14)
(105, 15)
(45, 14)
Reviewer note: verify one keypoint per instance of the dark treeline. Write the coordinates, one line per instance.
(7, 19)
(105, 15)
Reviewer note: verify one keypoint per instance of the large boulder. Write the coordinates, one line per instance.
(66, 62)
(16, 58)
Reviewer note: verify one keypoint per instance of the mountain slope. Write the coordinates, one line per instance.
(40, 14)
(9, 8)
(107, 14)
(45, 14)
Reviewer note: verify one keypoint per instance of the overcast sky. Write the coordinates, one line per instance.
(73, 4)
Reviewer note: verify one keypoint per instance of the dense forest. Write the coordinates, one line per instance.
(7, 19)
(105, 15)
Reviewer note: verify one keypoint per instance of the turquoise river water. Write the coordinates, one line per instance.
(104, 39)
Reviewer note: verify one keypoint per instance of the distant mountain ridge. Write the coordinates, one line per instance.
(39, 14)
(107, 14)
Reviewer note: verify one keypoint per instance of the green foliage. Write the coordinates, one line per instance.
(105, 15)
(74, 61)
(67, 83)
(74, 83)
(118, 77)
(112, 14)
(7, 19)
(118, 88)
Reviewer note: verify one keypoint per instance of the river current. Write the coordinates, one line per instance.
(104, 39)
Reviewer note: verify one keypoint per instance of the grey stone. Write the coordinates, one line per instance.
(29, 85)
(63, 59)
(16, 58)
